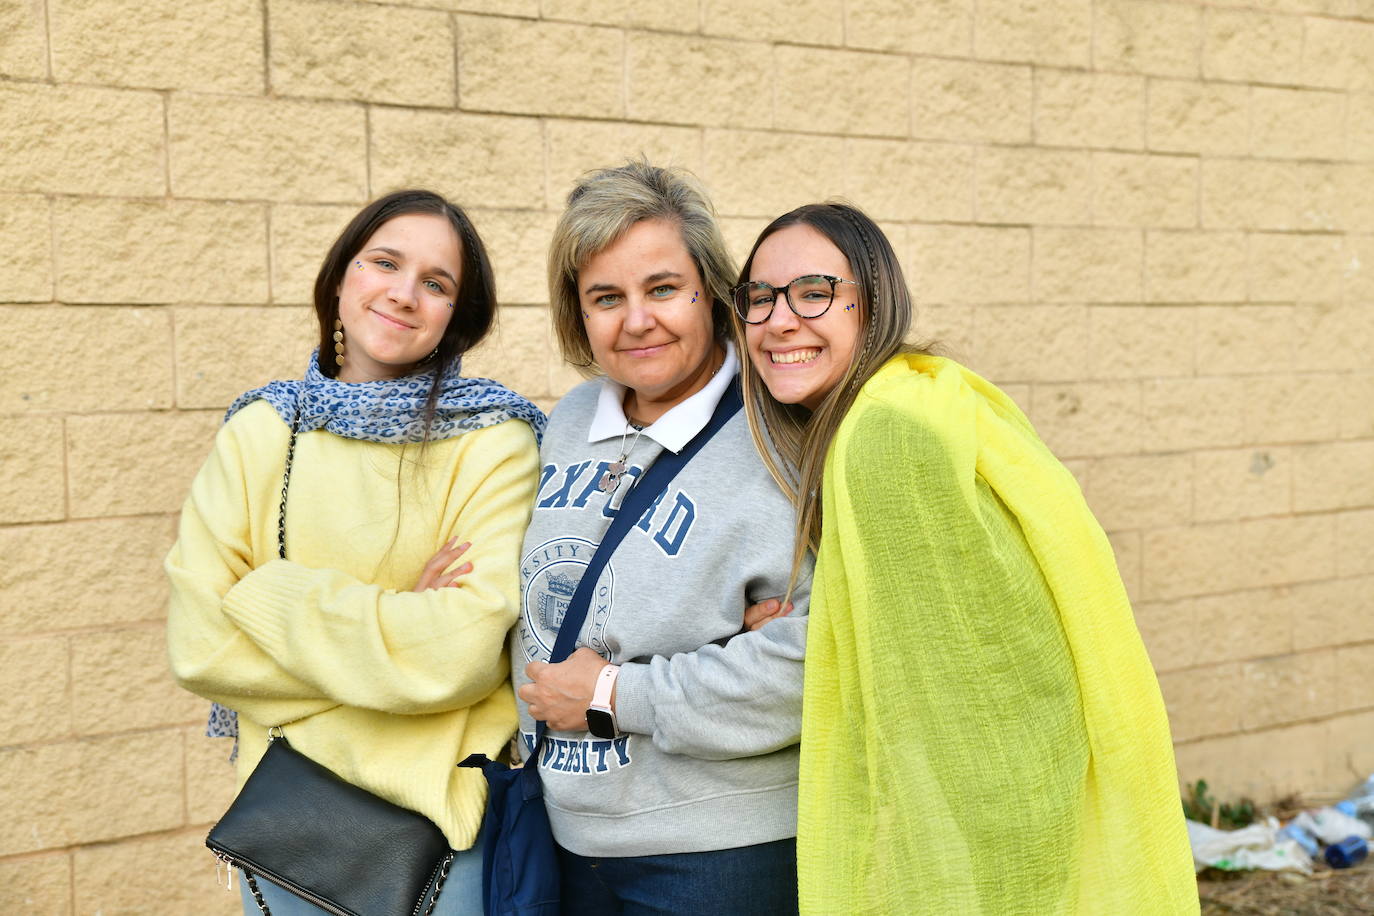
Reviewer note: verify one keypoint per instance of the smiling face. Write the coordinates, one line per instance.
(802, 359)
(648, 318)
(395, 299)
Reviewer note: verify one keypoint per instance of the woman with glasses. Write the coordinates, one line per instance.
(983, 732)
(670, 764)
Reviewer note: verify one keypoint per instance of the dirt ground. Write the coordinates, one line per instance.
(1325, 892)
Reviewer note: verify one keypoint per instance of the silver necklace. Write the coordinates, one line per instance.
(616, 469)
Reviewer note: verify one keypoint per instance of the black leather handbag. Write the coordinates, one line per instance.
(304, 828)
(308, 830)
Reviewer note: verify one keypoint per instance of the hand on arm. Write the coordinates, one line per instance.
(752, 685)
(434, 575)
(756, 615)
(559, 695)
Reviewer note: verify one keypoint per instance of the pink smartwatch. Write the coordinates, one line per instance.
(600, 715)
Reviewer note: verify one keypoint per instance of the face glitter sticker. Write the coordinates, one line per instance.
(450, 305)
(695, 294)
(358, 265)
(851, 307)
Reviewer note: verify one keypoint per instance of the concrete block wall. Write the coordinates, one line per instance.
(1152, 222)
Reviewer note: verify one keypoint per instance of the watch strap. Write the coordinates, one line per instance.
(605, 686)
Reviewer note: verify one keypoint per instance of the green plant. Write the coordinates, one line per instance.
(1200, 806)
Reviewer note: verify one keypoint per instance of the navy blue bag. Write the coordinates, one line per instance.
(519, 865)
(519, 861)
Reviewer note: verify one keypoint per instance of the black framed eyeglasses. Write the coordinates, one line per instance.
(808, 297)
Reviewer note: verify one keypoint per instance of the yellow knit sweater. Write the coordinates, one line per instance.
(386, 687)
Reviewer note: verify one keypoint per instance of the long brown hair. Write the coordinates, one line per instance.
(793, 440)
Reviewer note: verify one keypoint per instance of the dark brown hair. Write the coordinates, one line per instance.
(474, 308)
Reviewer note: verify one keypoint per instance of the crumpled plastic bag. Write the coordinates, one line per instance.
(1332, 826)
(1256, 846)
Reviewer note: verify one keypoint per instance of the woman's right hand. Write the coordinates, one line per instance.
(756, 615)
(434, 576)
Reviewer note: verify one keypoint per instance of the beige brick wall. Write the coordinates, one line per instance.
(1152, 222)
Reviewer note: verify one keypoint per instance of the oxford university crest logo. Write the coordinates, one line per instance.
(549, 575)
(553, 603)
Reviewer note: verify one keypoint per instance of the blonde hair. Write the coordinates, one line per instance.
(603, 206)
(792, 440)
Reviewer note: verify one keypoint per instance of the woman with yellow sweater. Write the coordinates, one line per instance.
(377, 656)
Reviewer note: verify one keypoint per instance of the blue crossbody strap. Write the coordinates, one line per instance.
(636, 503)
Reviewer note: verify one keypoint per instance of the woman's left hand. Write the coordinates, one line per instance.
(559, 695)
(436, 573)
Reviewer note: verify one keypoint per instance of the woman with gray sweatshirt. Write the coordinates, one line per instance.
(680, 794)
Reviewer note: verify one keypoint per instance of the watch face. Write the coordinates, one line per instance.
(600, 723)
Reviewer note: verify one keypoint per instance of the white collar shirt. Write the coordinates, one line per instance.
(675, 428)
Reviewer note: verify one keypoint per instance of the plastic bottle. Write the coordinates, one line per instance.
(1349, 851)
(1303, 838)
(1362, 799)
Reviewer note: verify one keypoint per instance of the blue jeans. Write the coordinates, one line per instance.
(461, 894)
(747, 881)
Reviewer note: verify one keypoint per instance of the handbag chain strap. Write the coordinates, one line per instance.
(257, 894)
(439, 880)
(281, 552)
(442, 874)
(286, 483)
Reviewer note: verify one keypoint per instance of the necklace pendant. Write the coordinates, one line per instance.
(608, 482)
(616, 467)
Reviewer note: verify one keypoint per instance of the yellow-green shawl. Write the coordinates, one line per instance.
(982, 732)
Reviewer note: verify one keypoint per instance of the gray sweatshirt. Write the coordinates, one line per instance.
(709, 716)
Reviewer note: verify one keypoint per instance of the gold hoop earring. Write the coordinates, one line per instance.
(338, 342)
